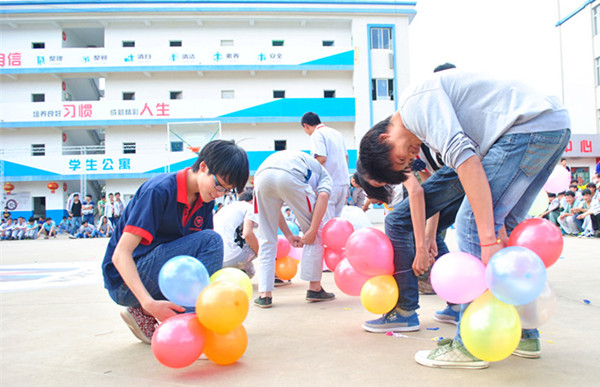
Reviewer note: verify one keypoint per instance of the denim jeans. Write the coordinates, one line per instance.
(443, 194)
(206, 246)
(517, 167)
(75, 224)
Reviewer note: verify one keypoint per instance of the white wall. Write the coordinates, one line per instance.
(20, 89)
(20, 38)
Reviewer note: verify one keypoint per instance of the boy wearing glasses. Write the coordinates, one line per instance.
(170, 215)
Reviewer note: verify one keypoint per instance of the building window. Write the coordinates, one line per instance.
(597, 63)
(176, 94)
(381, 38)
(175, 43)
(280, 145)
(383, 89)
(327, 43)
(329, 93)
(226, 42)
(38, 45)
(128, 43)
(128, 95)
(38, 97)
(38, 149)
(227, 94)
(278, 93)
(277, 43)
(596, 18)
(129, 147)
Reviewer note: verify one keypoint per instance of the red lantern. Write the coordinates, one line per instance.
(52, 186)
(8, 187)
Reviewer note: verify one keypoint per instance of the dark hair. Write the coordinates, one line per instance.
(88, 196)
(569, 193)
(374, 157)
(586, 192)
(110, 194)
(563, 159)
(31, 219)
(591, 185)
(445, 66)
(84, 221)
(383, 193)
(246, 196)
(48, 218)
(551, 195)
(75, 195)
(311, 119)
(226, 159)
(573, 186)
(117, 193)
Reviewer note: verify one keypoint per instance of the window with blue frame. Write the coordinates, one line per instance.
(381, 38)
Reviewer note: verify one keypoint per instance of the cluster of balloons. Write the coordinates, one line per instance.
(287, 258)
(508, 294)
(215, 329)
(362, 262)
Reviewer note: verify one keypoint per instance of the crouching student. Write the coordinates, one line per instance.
(169, 215)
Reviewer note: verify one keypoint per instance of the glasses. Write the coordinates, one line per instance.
(219, 187)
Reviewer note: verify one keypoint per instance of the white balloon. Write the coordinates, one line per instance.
(356, 216)
(538, 311)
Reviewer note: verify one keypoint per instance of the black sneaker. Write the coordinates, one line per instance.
(279, 282)
(264, 302)
(321, 295)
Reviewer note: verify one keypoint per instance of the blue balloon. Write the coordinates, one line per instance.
(181, 279)
(293, 228)
(516, 275)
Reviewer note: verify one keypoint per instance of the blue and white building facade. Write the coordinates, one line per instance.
(102, 95)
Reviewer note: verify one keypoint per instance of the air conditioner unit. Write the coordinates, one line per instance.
(391, 59)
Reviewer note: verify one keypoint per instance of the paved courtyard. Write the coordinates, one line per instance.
(60, 328)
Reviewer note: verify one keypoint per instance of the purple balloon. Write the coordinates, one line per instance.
(558, 180)
(458, 277)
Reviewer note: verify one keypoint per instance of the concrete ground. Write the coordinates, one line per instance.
(60, 328)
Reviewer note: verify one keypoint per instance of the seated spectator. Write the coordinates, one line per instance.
(357, 194)
(289, 216)
(64, 225)
(6, 229)
(19, 229)
(582, 206)
(105, 228)
(32, 229)
(48, 229)
(565, 219)
(86, 230)
(553, 208)
(592, 187)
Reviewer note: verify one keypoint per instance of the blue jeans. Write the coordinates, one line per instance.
(75, 224)
(89, 218)
(517, 166)
(206, 246)
(443, 194)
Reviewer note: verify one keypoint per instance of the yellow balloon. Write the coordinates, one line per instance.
(490, 329)
(222, 306)
(379, 294)
(539, 205)
(236, 276)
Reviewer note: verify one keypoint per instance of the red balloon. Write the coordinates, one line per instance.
(540, 236)
(347, 279)
(370, 252)
(336, 232)
(179, 341)
(283, 247)
(332, 257)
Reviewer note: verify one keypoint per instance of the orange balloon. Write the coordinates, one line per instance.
(222, 306)
(226, 348)
(286, 268)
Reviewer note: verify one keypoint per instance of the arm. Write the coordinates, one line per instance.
(294, 240)
(123, 261)
(416, 196)
(317, 217)
(431, 234)
(321, 159)
(249, 236)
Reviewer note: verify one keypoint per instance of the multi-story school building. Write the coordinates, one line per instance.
(97, 96)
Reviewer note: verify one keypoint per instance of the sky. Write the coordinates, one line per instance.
(512, 38)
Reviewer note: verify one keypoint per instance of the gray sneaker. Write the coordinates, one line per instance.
(450, 355)
(321, 295)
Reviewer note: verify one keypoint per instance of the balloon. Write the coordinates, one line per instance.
(515, 275)
(293, 227)
(539, 205)
(558, 181)
(458, 277)
(283, 247)
(336, 232)
(226, 348)
(540, 236)
(332, 257)
(370, 252)
(235, 276)
(222, 306)
(178, 341)
(356, 216)
(181, 279)
(379, 294)
(538, 311)
(296, 253)
(286, 268)
(490, 329)
(347, 279)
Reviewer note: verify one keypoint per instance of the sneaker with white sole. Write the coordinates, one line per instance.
(142, 325)
(393, 321)
(450, 355)
(528, 348)
(448, 315)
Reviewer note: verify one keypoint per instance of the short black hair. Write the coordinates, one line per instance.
(569, 193)
(383, 193)
(591, 185)
(586, 192)
(246, 196)
(311, 119)
(226, 159)
(551, 195)
(110, 194)
(88, 196)
(84, 221)
(47, 219)
(31, 219)
(445, 66)
(573, 186)
(374, 157)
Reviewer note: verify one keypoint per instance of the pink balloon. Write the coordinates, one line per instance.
(332, 257)
(179, 340)
(370, 252)
(296, 253)
(458, 277)
(336, 232)
(283, 247)
(558, 180)
(347, 279)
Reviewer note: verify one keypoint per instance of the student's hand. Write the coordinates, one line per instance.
(421, 262)
(309, 236)
(295, 240)
(162, 310)
(580, 216)
(488, 251)
(432, 248)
